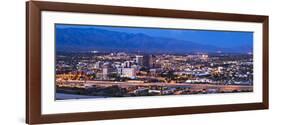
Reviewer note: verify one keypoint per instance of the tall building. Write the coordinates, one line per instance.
(146, 59)
(106, 70)
(139, 60)
(149, 61)
(97, 65)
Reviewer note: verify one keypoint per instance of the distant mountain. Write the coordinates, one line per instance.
(86, 39)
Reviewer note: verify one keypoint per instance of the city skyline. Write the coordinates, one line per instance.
(131, 62)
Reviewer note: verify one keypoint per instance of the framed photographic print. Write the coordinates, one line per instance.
(94, 62)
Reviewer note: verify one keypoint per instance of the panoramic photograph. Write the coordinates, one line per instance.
(94, 61)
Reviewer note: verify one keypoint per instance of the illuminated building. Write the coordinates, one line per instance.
(139, 60)
(128, 72)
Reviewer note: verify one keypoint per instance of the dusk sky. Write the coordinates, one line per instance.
(226, 39)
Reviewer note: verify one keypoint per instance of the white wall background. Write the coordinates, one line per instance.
(12, 64)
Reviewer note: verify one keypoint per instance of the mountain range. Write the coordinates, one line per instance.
(88, 39)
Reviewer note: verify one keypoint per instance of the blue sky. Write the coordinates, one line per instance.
(225, 39)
